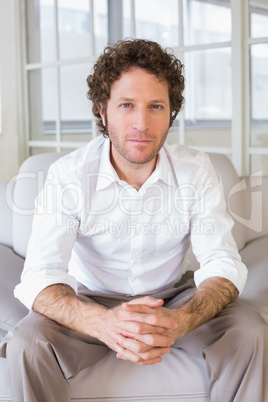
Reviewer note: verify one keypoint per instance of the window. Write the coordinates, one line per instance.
(59, 114)
(200, 32)
(226, 83)
(257, 43)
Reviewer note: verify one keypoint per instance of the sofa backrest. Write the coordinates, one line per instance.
(29, 182)
(254, 190)
(234, 199)
(6, 213)
(32, 175)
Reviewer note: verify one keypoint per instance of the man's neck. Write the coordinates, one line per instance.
(135, 174)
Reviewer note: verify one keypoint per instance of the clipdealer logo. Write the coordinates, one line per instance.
(254, 222)
(252, 185)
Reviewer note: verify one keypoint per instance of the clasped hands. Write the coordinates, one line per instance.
(141, 330)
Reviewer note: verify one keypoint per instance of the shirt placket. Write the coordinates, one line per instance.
(136, 242)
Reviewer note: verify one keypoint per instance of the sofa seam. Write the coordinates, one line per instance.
(185, 394)
(8, 325)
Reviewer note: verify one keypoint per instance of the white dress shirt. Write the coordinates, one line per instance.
(93, 228)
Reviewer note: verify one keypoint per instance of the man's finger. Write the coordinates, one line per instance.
(154, 318)
(138, 328)
(152, 356)
(132, 344)
(148, 301)
(152, 340)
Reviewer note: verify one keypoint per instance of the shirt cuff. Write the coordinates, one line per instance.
(30, 287)
(223, 269)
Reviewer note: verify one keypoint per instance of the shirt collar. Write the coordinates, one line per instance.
(163, 170)
(107, 174)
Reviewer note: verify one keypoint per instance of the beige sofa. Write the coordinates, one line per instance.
(180, 377)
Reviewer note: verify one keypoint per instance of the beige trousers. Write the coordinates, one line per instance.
(42, 355)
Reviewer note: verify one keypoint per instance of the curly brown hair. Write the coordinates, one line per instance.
(125, 55)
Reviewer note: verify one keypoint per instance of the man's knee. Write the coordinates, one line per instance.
(243, 328)
(235, 328)
(243, 319)
(24, 337)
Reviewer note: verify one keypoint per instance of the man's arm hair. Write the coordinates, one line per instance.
(212, 296)
(163, 325)
(60, 303)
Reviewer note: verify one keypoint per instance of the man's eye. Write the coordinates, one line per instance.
(156, 107)
(125, 105)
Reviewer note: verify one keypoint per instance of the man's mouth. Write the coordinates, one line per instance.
(139, 140)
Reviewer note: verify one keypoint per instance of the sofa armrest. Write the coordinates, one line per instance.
(255, 196)
(11, 309)
(255, 293)
(5, 214)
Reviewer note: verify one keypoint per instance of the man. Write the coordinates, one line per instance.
(105, 266)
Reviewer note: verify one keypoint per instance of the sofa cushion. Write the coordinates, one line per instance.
(11, 310)
(254, 255)
(5, 395)
(169, 380)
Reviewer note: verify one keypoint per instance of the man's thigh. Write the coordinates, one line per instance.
(236, 323)
(44, 340)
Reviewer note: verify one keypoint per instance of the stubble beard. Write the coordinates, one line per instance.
(127, 156)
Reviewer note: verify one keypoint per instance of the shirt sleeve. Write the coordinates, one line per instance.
(211, 233)
(53, 235)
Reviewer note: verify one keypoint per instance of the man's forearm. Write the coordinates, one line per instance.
(212, 296)
(60, 303)
(206, 302)
(141, 330)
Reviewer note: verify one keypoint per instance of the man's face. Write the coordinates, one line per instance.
(138, 116)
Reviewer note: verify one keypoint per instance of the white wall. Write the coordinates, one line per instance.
(9, 137)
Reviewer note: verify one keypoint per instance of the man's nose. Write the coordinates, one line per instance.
(141, 120)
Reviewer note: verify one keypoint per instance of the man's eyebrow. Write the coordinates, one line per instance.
(126, 99)
(159, 101)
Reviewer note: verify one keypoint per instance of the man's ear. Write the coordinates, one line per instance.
(102, 115)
